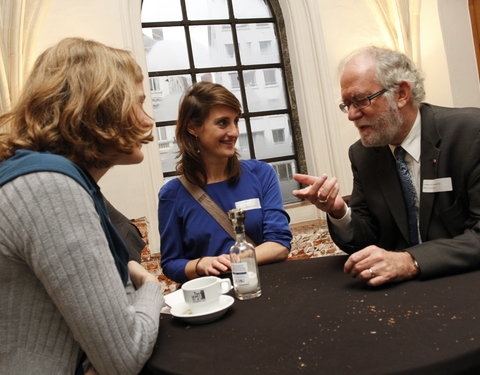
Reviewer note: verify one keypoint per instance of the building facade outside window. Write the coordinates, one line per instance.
(234, 43)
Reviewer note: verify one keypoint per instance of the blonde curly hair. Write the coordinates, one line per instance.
(79, 102)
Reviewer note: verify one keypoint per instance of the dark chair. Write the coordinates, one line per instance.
(128, 231)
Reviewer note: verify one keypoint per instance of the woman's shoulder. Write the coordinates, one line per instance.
(48, 183)
(24, 162)
(171, 188)
(255, 166)
(258, 170)
(51, 190)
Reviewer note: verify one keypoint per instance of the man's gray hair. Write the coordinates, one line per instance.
(392, 68)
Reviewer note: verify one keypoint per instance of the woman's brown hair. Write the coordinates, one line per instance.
(194, 109)
(79, 102)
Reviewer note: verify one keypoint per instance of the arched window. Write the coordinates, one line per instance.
(241, 45)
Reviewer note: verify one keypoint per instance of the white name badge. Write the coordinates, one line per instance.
(248, 204)
(438, 185)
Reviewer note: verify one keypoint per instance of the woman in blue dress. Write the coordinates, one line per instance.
(193, 243)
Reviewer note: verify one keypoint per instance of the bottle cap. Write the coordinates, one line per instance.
(237, 217)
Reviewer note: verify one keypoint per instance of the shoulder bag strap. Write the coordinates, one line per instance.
(211, 207)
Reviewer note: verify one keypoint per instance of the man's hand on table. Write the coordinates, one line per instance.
(378, 266)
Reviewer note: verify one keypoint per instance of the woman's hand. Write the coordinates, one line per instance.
(139, 275)
(205, 266)
(213, 265)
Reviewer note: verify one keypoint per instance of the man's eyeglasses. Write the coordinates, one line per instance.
(361, 103)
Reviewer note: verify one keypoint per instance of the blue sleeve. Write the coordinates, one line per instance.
(173, 260)
(187, 231)
(275, 219)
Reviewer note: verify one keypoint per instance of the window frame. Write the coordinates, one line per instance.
(474, 9)
(283, 65)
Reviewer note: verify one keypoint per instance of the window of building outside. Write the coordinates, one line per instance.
(284, 171)
(270, 76)
(278, 135)
(265, 46)
(234, 43)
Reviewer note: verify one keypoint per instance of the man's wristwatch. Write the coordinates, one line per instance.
(415, 264)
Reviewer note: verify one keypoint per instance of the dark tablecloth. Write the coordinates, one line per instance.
(314, 319)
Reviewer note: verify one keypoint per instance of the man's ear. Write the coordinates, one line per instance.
(404, 93)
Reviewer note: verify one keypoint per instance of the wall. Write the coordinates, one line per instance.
(460, 52)
(131, 189)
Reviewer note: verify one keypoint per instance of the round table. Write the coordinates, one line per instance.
(314, 319)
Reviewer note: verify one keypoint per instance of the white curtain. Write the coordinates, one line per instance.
(402, 21)
(20, 21)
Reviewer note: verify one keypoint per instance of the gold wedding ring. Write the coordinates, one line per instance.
(372, 274)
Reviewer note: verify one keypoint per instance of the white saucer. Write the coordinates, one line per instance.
(181, 310)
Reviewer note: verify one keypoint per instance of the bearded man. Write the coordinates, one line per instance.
(415, 206)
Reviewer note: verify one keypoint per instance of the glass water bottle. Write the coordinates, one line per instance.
(246, 280)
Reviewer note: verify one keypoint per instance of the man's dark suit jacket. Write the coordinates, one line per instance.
(449, 221)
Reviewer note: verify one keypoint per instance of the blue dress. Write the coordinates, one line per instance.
(188, 232)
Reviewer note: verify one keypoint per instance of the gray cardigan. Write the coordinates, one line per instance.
(60, 289)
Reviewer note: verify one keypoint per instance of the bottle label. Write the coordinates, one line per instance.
(240, 273)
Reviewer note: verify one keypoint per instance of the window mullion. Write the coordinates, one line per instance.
(188, 39)
(241, 81)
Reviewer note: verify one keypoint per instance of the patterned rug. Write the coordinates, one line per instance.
(310, 240)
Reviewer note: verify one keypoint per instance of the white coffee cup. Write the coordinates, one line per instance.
(202, 294)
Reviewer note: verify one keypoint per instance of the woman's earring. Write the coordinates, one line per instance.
(198, 147)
